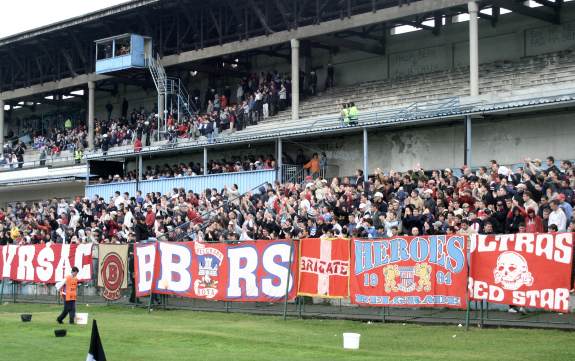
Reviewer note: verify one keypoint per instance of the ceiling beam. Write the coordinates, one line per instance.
(351, 44)
(261, 16)
(309, 31)
(519, 8)
(283, 12)
(548, 3)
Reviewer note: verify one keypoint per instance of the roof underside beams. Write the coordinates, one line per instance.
(184, 31)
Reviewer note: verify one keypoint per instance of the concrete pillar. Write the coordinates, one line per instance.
(87, 172)
(166, 112)
(468, 144)
(2, 104)
(473, 49)
(205, 160)
(91, 95)
(294, 79)
(140, 168)
(160, 114)
(365, 149)
(161, 106)
(279, 160)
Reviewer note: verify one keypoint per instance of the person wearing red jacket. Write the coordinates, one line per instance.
(533, 223)
(138, 145)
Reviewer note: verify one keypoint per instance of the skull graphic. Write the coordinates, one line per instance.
(512, 271)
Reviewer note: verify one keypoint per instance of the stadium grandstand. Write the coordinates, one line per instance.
(230, 121)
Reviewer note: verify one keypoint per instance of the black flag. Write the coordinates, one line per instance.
(96, 352)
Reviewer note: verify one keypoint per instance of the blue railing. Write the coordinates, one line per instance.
(244, 180)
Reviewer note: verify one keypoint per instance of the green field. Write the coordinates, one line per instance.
(133, 334)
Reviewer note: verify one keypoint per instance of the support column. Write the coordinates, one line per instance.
(140, 168)
(161, 106)
(468, 145)
(294, 79)
(205, 160)
(473, 49)
(87, 172)
(365, 148)
(279, 160)
(91, 95)
(2, 104)
(159, 116)
(166, 112)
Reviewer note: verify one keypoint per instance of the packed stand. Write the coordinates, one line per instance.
(494, 199)
(191, 169)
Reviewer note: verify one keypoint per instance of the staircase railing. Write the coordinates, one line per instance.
(172, 89)
(158, 75)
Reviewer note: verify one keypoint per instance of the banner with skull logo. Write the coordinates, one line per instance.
(525, 269)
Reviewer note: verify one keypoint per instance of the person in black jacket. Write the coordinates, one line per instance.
(19, 150)
(141, 230)
(105, 144)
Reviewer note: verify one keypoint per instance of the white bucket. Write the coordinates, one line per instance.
(81, 318)
(351, 340)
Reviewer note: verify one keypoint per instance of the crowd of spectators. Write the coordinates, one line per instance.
(532, 198)
(237, 164)
(258, 96)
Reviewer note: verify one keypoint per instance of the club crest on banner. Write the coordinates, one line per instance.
(402, 278)
(209, 262)
(112, 275)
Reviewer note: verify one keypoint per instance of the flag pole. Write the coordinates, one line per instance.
(288, 277)
(152, 288)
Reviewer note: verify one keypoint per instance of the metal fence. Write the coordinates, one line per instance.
(478, 314)
(244, 180)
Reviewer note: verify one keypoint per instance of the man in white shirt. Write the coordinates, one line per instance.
(557, 216)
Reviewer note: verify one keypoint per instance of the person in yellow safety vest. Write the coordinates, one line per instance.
(344, 114)
(353, 114)
(78, 154)
(68, 124)
(68, 289)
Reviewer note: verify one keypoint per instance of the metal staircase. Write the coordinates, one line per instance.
(174, 93)
(158, 75)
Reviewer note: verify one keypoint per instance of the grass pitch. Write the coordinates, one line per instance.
(133, 334)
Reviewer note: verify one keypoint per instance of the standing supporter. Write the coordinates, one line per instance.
(313, 166)
(557, 217)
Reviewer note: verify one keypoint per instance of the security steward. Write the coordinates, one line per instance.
(68, 290)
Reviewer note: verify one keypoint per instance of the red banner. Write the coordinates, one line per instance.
(250, 271)
(45, 263)
(525, 269)
(324, 268)
(427, 271)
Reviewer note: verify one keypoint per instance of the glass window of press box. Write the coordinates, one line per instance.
(113, 48)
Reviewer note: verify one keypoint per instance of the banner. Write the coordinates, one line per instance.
(427, 271)
(324, 268)
(45, 263)
(112, 269)
(250, 271)
(525, 269)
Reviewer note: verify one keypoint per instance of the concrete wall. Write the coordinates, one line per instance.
(37, 192)
(419, 52)
(506, 139)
